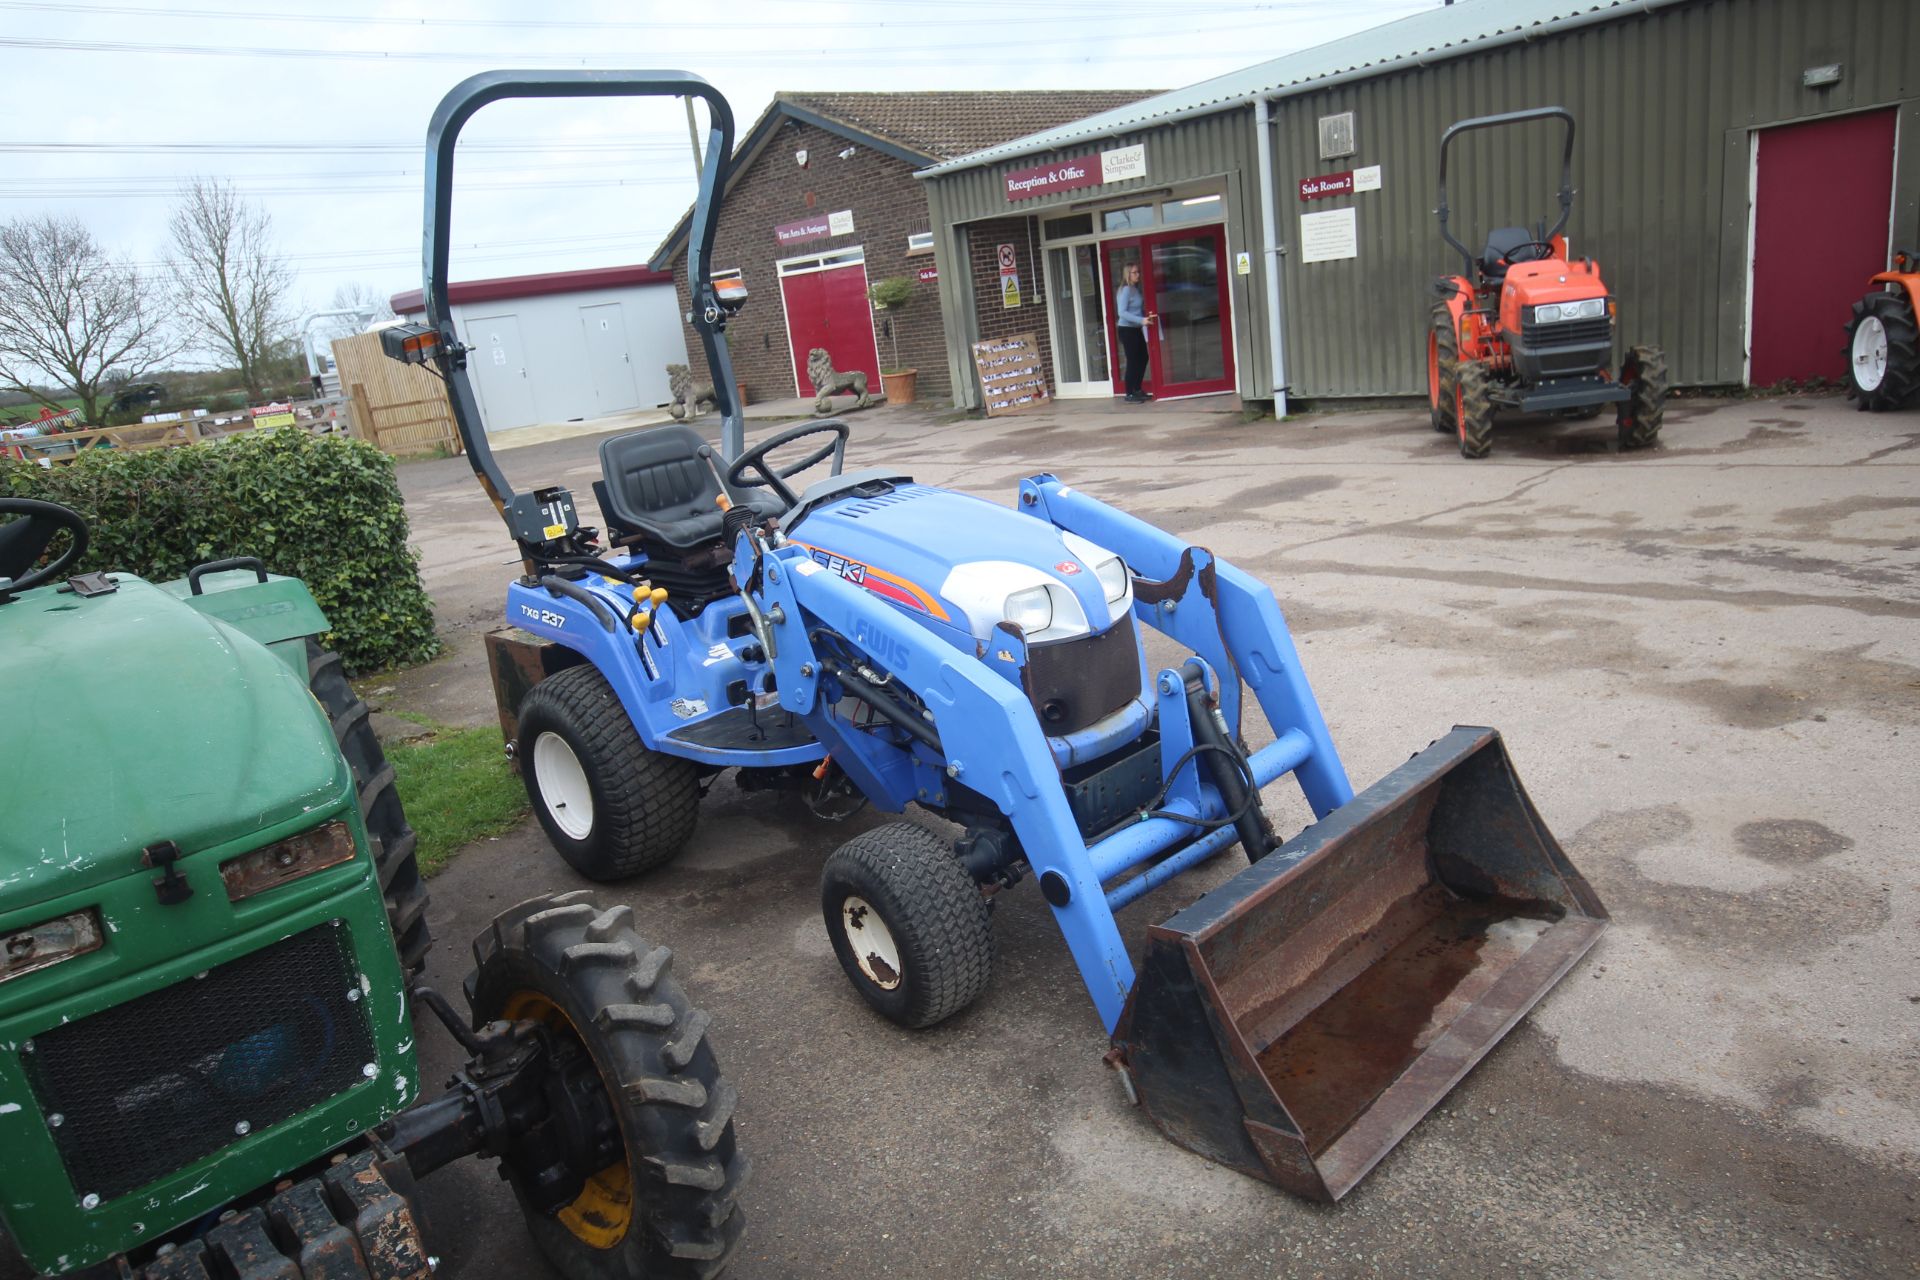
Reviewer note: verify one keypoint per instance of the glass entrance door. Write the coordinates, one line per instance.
(1184, 283)
(1078, 314)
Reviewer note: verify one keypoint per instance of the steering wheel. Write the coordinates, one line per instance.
(1544, 249)
(23, 542)
(775, 478)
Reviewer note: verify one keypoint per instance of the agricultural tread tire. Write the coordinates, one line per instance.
(347, 1224)
(1902, 381)
(1644, 373)
(1445, 349)
(645, 803)
(393, 840)
(935, 911)
(650, 1047)
(1475, 410)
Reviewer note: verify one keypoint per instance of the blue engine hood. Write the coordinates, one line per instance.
(905, 545)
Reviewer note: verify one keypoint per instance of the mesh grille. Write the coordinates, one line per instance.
(1567, 333)
(154, 1084)
(1075, 682)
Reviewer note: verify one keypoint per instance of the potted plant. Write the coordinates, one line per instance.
(890, 295)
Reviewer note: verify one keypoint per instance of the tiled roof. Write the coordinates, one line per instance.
(943, 124)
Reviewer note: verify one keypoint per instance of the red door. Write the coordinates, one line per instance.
(1822, 200)
(829, 309)
(1184, 283)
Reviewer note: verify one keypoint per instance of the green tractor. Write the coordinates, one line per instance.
(210, 918)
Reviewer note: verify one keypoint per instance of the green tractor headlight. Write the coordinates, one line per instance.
(49, 942)
(286, 860)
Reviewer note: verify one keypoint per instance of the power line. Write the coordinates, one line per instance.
(836, 55)
(414, 148)
(1048, 11)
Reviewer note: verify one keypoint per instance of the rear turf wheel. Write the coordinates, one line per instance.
(908, 924)
(611, 807)
(1473, 409)
(652, 1150)
(1644, 374)
(393, 839)
(1442, 353)
(1883, 352)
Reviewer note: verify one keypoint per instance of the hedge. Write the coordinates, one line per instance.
(325, 509)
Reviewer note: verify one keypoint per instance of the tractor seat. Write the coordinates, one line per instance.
(656, 488)
(1501, 242)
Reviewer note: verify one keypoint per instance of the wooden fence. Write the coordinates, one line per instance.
(68, 445)
(399, 407)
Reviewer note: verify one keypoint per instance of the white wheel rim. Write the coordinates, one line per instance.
(1869, 354)
(871, 942)
(563, 785)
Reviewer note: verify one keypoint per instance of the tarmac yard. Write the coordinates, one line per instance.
(1705, 662)
(1706, 665)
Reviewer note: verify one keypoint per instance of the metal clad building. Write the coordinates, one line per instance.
(1688, 111)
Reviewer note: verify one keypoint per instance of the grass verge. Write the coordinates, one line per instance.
(457, 788)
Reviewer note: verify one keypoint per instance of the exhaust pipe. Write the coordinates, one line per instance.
(1298, 1021)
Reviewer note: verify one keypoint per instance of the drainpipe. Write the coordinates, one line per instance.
(1270, 238)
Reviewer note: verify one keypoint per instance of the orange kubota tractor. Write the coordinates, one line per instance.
(1883, 338)
(1526, 329)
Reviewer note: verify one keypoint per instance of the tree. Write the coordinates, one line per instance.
(233, 286)
(72, 314)
(358, 295)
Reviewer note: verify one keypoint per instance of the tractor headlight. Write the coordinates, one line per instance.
(285, 860)
(1030, 610)
(1112, 573)
(1585, 309)
(49, 942)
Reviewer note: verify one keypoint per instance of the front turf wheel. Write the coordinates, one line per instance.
(1473, 407)
(1883, 352)
(908, 923)
(1443, 350)
(1644, 374)
(393, 839)
(643, 1121)
(611, 807)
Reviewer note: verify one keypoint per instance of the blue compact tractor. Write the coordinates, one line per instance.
(868, 638)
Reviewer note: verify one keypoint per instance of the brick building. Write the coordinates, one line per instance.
(822, 202)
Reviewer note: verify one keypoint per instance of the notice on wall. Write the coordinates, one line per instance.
(1011, 379)
(1076, 173)
(1325, 237)
(841, 223)
(1009, 277)
(1367, 179)
(929, 273)
(272, 415)
(813, 228)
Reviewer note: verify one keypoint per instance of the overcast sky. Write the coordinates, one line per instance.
(318, 108)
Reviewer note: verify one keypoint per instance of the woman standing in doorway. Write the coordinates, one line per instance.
(1131, 324)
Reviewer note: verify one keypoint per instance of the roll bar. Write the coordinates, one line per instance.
(1494, 122)
(708, 317)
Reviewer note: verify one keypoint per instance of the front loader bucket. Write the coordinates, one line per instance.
(1296, 1022)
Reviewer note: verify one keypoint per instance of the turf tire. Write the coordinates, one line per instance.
(650, 1048)
(1443, 349)
(644, 803)
(393, 840)
(933, 913)
(1473, 407)
(1638, 418)
(1901, 381)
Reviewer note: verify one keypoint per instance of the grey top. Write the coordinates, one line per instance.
(1127, 303)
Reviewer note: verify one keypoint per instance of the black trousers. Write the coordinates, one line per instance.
(1133, 347)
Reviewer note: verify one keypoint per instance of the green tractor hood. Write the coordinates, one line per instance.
(132, 718)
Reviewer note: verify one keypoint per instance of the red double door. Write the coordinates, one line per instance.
(1822, 202)
(829, 309)
(1183, 278)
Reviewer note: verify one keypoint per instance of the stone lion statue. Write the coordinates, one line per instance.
(689, 401)
(827, 384)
